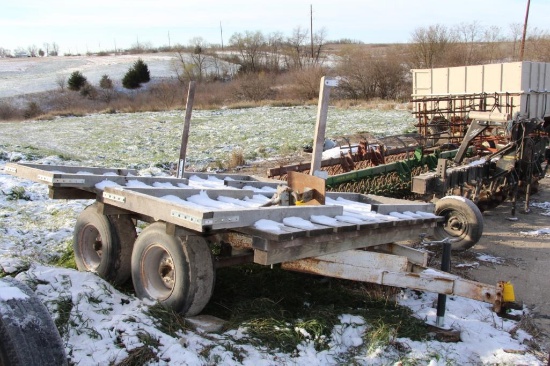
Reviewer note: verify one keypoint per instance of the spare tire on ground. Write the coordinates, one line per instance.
(28, 335)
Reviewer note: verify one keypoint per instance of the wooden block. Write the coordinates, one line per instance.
(299, 182)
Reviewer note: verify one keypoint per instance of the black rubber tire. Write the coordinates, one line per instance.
(203, 275)
(103, 244)
(28, 335)
(178, 272)
(463, 222)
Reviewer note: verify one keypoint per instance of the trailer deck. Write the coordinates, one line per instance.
(349, 233)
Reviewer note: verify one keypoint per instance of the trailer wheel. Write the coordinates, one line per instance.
(463, 222)
(103, 244)
(28, 335)
(176, 271)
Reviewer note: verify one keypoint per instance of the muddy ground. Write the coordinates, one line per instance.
(519, 258)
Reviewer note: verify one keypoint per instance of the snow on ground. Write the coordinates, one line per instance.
(21, 76)
(105, 325)
(154, 137)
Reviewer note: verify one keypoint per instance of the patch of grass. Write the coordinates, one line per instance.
(17, 193)
(243, 105)
(64, 308)
(144, 354)
(66, 259)
(23, 268)
(281, 309)
(168, 321)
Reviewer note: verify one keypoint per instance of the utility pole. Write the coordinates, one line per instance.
(221, 33)
(522, 50)
(311, 27)
(169, 40)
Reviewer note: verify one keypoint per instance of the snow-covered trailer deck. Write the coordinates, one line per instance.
(171, 259)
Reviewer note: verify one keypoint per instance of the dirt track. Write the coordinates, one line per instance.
(524, 260)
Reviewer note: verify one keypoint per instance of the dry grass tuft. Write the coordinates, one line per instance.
(237, 158)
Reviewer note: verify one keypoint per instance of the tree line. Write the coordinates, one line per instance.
(255, 67)
(367, 71)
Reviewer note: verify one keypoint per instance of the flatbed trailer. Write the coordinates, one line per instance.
(241, 219)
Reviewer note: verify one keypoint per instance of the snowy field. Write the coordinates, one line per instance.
(142, 139)
(105, 325)
(20, 76)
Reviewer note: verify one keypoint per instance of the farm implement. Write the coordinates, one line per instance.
(482, 135)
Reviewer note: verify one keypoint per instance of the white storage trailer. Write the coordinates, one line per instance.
(511, 88)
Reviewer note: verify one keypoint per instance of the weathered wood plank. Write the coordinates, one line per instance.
(299, 182)
(269, 252)
(351, 264)
(289, 233)
(413, 255)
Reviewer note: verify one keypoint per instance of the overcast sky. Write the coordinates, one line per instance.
(94, 25)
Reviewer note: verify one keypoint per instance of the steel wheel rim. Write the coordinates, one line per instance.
(158, 272)
(91, 247)
(456, 225)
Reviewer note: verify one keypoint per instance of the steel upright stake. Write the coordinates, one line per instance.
(320, 126)
(442, 299)
(186, 126)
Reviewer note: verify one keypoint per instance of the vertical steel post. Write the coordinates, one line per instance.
(442, 299)
(321, 124)
(186, 127)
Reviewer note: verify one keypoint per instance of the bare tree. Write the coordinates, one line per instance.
(319, 39)
(296, 50)
(47, 48)
(356, 69)
(537, 45)
(54, 49)
(428, 46)
(390, 75)
(33, 50)
(467, 50)
(198, 56)
(61, 81)
(493, 49)
(183, 67)
(516, 31)
(250, 46)
(367, 75)
(4, 52)
(221, 70)
(275, 45)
